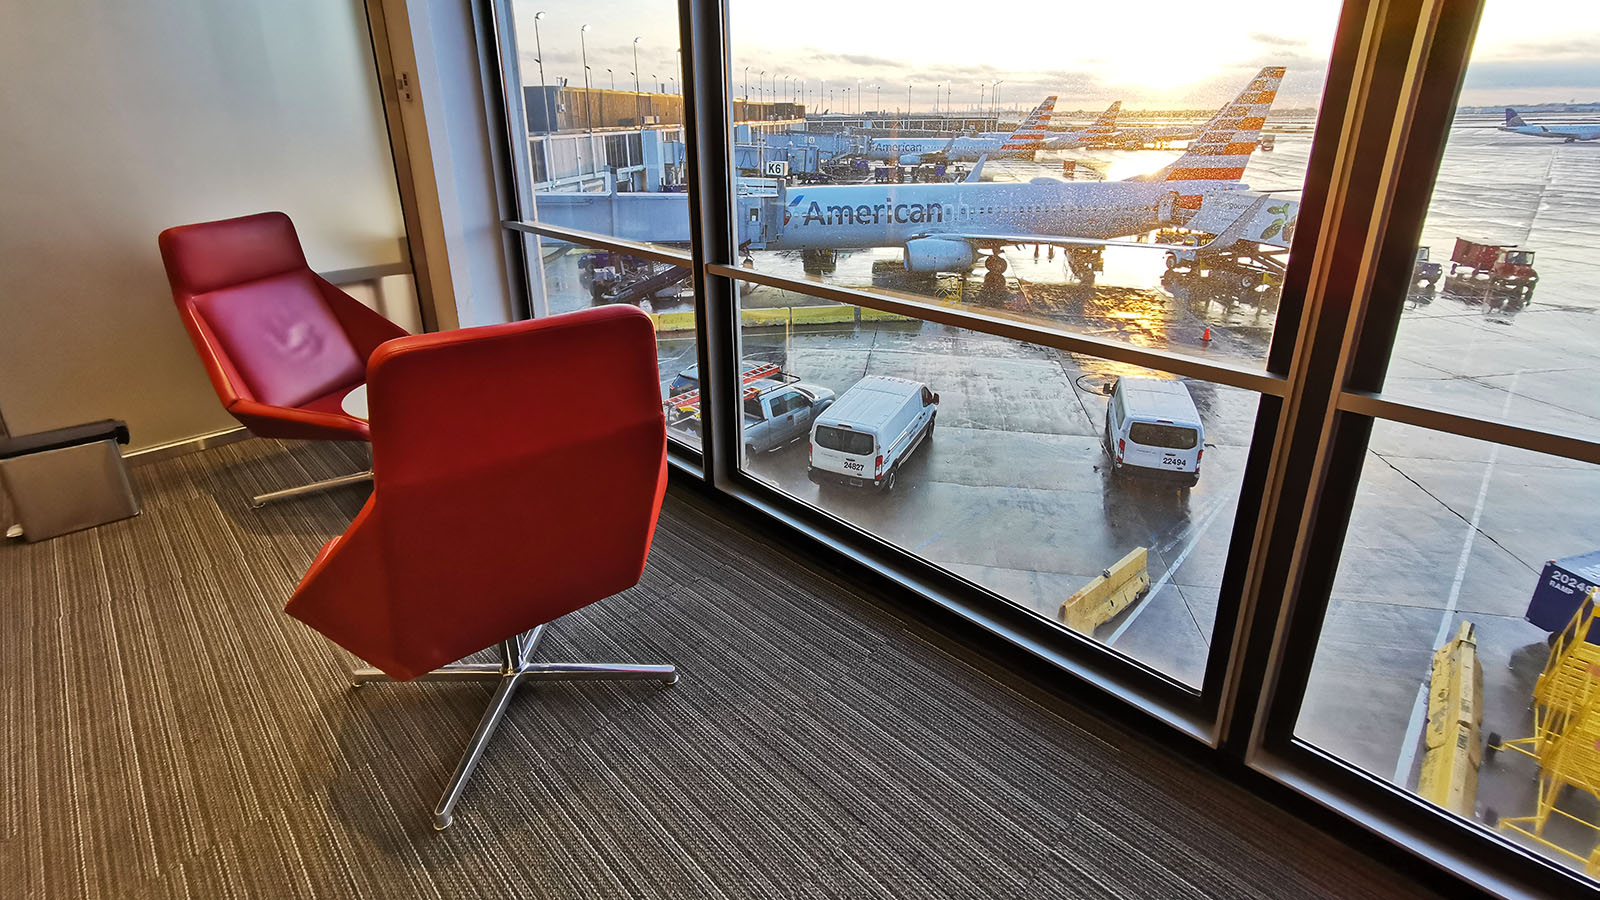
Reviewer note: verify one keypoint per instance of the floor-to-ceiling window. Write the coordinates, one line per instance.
(1064, 307)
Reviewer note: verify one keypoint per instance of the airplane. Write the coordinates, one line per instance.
(1091, 135)
(943, 227)
(1569, 133)
(1022, 142)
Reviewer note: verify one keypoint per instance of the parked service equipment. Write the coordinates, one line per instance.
(67, 479)
(1153, 430)
(1503, 267)
(1566, 744)
(1425, 273)
(866, 437)
(1562, 587)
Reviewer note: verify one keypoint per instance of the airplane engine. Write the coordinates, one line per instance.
(939, 255)
(910, 159)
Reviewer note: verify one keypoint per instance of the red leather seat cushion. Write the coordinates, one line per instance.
(282, 339)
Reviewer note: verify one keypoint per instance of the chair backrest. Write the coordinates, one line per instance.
(518, 472)
(244, 286)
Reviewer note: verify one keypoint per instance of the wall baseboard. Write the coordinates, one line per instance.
(187, 445)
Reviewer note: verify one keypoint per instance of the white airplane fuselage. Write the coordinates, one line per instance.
(1559, 132)
(962, 149)
(856, 216)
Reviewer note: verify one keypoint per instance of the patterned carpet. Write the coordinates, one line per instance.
(170, 733)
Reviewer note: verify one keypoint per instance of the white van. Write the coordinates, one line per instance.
(1153, 430)
(870, 431)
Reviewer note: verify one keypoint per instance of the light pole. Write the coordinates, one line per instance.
(636, 91)
(936, 98)
(994, 102)
(847, 101)
(879, 102)
(613, 76)
(759, 76)
(747, 84)
(788, 91)
(544, 95)
(908, 104)
(588, 111)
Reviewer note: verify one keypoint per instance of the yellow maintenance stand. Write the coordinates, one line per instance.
(1566, 738)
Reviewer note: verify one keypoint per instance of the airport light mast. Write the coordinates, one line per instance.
(636, 90)
(747, 84)
(544, 94)
(613, 76)
(588, 111)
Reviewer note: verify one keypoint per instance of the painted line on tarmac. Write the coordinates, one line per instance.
(1419, 707)
(1166, 576)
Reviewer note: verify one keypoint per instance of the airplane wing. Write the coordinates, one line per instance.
(1228, 236)
(1006, 240)
(976, 174)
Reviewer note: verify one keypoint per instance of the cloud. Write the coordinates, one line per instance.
(1273, 40)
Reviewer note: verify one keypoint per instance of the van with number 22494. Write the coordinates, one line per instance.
(868, 434)
(1153, 430)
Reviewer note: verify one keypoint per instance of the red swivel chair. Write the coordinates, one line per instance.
(282, 345)
(519, 470)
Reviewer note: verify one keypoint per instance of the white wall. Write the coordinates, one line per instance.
(119, 119)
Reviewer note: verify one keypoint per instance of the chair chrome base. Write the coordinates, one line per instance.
(315, 487)
(515, 667)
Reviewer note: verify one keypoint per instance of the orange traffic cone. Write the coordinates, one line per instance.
(1206, 337)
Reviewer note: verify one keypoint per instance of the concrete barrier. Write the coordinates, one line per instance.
(1452, 751)
(1109, 593)
(779, 316)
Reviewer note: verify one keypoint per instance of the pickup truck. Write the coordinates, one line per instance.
(777, 412)
(778, 408)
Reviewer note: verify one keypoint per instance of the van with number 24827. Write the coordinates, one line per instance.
(870, 431)
(1153, 430)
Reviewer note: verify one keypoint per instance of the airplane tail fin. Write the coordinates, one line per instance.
(1106, 125)
(1030, 134)
(1514, 120)
(1223, 148)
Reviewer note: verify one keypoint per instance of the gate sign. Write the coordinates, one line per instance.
(778, 168)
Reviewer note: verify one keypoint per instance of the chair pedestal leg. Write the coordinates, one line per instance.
(514, 668)
(443, 814)
(316, 487)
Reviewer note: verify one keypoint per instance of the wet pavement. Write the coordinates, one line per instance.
(1013, 493)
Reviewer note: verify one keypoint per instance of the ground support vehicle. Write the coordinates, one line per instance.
(1425, 274)
(1154, 431)
(866, 437)
(778, 408)
(1504, 268)
(616, 278)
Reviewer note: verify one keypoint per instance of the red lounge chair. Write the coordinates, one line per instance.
(282, 346)
(519, 472)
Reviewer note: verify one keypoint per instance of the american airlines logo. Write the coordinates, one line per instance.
(866, 213)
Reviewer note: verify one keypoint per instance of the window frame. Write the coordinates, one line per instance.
(1375, 152)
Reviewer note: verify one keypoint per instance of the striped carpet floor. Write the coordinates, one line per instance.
(170, 733)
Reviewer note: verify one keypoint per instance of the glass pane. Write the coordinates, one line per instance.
(1126, 183)
(1501, 318)
(1448, 531)
(579, 277)
(999, 461)
(601, 96)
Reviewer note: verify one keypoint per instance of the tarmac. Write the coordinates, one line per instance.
(1014, 493)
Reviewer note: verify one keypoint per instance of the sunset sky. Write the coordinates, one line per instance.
(1151, 55)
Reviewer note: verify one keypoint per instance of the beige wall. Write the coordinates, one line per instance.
(120, 119)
